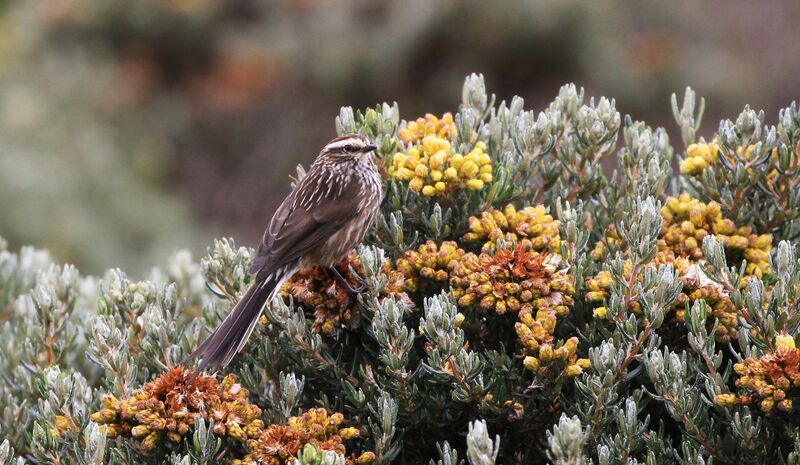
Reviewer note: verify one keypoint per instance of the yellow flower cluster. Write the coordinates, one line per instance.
(316, 288)
(696, 285)
(528, 284)
(687, 221)
(169, 405)
(564, 354)
(699, 157)
(431, 168)
(430, 125)
(768, 378)
(747, 154)
(702, 155)
(531, 228)
(280, 444)
(598, 289)
(62, 424)
(431, 263)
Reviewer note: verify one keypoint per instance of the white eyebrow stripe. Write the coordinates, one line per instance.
(342, 143)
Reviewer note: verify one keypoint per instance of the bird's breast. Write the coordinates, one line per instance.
(353, 231)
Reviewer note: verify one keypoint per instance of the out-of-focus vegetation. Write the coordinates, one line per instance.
(130, 128)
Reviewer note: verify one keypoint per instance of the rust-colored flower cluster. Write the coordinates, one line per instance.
(430, 125)
(280, 444)
(168, 406)
(317, 289)
(430, 264)
(530, 228)
(767, 379)
(530, 285)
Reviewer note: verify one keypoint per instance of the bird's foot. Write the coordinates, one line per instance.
(362, 283)
(346, 285)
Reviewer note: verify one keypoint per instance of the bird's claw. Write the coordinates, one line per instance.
(216, 291)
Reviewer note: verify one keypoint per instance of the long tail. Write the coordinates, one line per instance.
(232, 334)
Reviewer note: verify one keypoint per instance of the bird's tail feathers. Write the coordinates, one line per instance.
(234, 331)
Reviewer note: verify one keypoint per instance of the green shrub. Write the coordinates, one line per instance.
(522, 307)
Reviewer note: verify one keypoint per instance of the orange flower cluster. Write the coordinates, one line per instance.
(430, 125)
(767, 378)
(315, 288)
(169, 405)
(519, 281)
(528, 284)
(280, 444)
(430, 264)
(531, 228)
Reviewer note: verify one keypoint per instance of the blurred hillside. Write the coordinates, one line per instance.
(128, 129)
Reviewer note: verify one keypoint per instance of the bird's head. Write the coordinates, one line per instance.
(349, 146)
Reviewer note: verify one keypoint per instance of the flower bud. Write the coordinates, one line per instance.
(531, 363)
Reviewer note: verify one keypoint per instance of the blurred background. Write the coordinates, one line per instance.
(129, 129)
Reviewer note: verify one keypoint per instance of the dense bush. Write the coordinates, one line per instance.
(522, 307)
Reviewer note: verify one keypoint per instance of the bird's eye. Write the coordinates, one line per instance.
(348, 148)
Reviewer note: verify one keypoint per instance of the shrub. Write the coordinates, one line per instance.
(521, 307)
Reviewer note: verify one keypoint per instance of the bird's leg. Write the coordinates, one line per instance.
(343, 282)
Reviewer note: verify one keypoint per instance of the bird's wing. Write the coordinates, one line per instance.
(273, 228)
(297, 227)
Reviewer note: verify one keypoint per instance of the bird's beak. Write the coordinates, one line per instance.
(369, 148)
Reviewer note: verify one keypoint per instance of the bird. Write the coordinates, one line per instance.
(327, 214)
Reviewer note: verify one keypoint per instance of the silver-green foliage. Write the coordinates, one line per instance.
(424, 379)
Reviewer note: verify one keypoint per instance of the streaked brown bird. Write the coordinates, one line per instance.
(327, 214)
